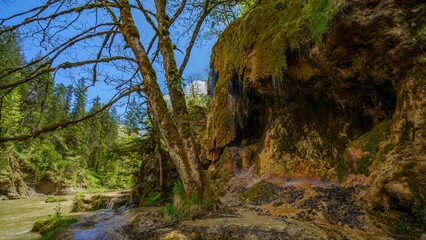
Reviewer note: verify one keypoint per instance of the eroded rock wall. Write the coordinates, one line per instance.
(349, 105)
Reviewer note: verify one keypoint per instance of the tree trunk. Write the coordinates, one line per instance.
(175, 131)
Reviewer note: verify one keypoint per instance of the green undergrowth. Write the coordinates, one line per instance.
(256, 44)
(54, 224)
(184, 207)
(151, 200)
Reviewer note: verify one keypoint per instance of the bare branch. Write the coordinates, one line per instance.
(206, 11)
(40, 10)
(27, 21)
(178, 12)
(63, 65)
(57, 50)
(147, 17)
(104, 43)
(151, 43)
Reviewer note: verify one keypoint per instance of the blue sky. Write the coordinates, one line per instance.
(197, 65)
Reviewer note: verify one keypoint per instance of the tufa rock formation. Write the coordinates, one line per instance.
(325, 90)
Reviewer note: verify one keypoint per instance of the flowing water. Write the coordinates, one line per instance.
(18, 216)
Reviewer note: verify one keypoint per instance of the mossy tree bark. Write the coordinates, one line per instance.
(175, 130)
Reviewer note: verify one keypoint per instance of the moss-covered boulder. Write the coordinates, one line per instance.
(84, 202)
(89, 202)
(48, 227)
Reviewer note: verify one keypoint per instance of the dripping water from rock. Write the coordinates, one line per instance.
(278, 91)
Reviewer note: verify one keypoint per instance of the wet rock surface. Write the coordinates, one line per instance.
(292, 212)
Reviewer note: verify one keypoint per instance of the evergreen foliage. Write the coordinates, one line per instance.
(84, 154)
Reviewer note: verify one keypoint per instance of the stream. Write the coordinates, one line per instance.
(18, 216)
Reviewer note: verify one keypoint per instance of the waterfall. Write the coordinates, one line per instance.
(278, 88)
(110, 203)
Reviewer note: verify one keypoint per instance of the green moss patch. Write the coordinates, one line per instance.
(53, 199)
(54, 227)
(256, 44)
(366, 147)
(369, 141)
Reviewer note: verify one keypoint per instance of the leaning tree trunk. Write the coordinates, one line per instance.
(175, 132)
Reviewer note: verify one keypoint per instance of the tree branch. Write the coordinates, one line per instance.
(206, 11)
(27, 21)
(178, 12)
(64, 124)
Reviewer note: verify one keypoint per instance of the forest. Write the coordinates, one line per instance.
(309, 123)
(99, 152)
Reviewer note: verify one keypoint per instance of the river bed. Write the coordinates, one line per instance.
(18, 216)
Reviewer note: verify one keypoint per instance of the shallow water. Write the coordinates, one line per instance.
(18, 216)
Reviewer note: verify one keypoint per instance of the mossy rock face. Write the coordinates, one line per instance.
(249, 53)
(255, 45)
(361, 92)
(220, 127)
(99, 202)
(222, 170)
(361, 152)
(6, 185)
(92, 202)
(369, 141)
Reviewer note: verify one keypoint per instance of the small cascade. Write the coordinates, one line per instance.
(110, 203)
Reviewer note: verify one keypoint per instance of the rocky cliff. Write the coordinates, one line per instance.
(325, 91)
